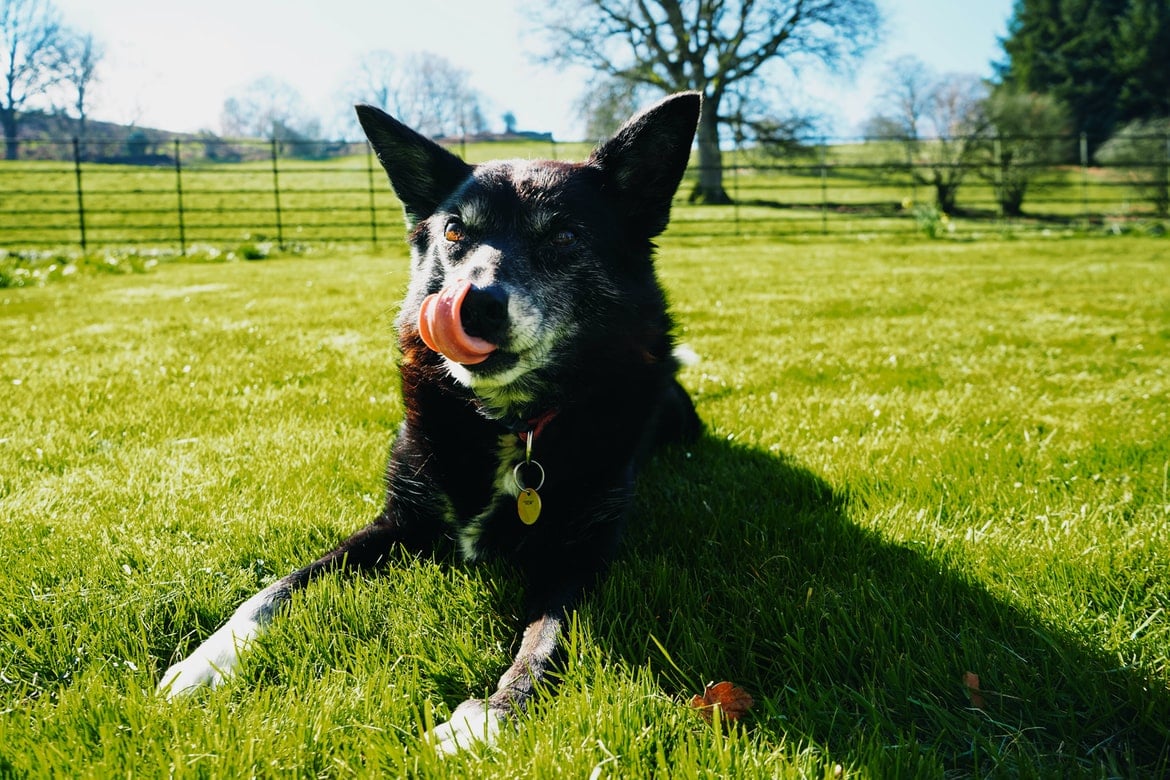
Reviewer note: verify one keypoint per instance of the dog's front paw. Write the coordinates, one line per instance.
(211, 664)
(474, 721)
(187, 676)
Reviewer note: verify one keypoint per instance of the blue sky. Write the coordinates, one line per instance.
(170, 64)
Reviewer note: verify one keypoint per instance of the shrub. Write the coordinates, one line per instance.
(1142, 149)
(1031, 133)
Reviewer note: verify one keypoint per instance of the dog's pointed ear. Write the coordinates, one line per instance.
(644, 162)
(422, 173)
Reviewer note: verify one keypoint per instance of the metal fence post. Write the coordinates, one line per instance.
(1163, 205)
(735, 185)
(179, 194)
(997, 151)
(276, 193)
(1085, 177)
(80, 197)
(373, 207)
(824, 187)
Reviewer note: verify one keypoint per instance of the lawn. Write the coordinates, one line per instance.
(925, 463)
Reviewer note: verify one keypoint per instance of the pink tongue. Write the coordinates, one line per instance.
(442, 330)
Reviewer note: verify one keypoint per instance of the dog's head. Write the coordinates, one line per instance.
(520, 268)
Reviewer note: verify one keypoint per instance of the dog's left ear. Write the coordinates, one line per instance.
(644, 162)
(422, 173)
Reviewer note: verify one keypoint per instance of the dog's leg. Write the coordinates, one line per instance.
(678, 421)
(479, 720)
(218, 657)
(556, 581)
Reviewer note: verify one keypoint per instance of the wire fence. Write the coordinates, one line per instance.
(192, 194)
(186, 193)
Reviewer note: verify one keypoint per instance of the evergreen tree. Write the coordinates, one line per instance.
(1104, 59)
(1143, 59)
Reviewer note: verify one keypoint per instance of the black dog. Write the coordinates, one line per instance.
(538, 371)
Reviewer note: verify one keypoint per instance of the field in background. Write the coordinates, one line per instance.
(928, 527)
(189, 201)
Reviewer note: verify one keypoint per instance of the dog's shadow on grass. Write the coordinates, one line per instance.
(744, 566)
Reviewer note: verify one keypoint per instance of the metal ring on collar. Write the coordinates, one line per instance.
(516, 474)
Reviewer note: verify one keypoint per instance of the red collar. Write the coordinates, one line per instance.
(535, 426)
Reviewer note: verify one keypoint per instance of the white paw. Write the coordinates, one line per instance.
(218, 657)
(214, 661)
(188, 675)
(472, 722)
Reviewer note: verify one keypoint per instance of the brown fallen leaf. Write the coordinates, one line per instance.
(732, 700)
(971, 682)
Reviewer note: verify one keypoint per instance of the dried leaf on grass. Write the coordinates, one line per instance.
(732, 700)
(971, 683)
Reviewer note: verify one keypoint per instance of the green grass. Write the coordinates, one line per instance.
(922, 459)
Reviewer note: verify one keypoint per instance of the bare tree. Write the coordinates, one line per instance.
(377, 78)
(443, 100)
(907, 95)
(30, 38)
(273, 109)
(81, 56)
(708, 46)
(957, 121)
(939, 120)
(421, 89)
(607, 103)
(761, 118)
(267, 108)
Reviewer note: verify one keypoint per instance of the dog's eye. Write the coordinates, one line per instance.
(454, 231)
(564, 238)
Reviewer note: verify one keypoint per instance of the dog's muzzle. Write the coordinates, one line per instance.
(464, 323)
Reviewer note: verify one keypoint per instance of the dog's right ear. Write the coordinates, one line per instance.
(644, 162)
(422, 173)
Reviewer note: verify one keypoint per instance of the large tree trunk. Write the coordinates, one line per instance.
(11, 144)
(82, 146)
(709, 188)
(946, 192)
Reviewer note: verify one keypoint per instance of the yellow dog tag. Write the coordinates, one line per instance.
(528, 506)
(528, 501)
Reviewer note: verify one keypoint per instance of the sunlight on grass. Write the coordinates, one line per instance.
(922, 459)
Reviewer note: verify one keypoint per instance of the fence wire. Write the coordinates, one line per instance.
(184, 194)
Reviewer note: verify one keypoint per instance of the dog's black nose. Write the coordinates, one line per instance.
(485, 313)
